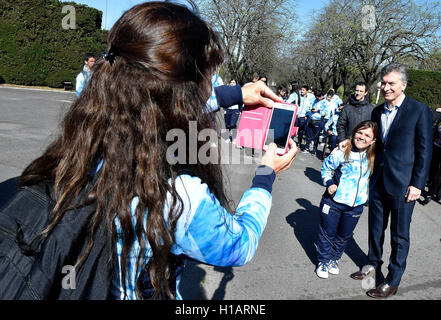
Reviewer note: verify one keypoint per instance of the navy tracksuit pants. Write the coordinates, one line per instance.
(313, 129)
(337, 224)
(301, 124)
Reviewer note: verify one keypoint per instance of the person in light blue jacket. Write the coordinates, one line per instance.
(329, 107)
(315, 124)
(84, 76)
(302, 119)
(334, 97)
(294, 93)
(212, 106)
(331, 131)
(346, 177)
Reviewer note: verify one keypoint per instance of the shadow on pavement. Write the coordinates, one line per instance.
(219, 294)
(305, 223)
(313, 175)
(192, 278)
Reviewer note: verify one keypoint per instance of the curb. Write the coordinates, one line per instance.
(2, 86)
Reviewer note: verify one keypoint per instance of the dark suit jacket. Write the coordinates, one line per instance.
(405, 155)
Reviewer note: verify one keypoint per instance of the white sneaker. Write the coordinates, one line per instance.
(333, 267)
(322, 270)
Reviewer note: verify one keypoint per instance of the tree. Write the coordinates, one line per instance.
(356, 38)
(253, 32)
(401, 29)
(432, 61)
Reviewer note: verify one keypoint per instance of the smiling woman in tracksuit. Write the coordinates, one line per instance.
(346, 177)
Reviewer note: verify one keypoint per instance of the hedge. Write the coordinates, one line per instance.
(425, 86)
(36, 50)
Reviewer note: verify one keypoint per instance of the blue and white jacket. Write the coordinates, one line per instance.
(82, 79)
(351, 177)
(331, 124)
(304, 106)
(293, 98)
(328, 109)
(205, 230)
(310, 96)
(337, 100)
(319, 106)
(212, 105)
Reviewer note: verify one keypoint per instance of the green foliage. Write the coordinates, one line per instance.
(36, 50)
(425, 86)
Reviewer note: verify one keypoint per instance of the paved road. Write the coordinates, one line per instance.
(283, 267)
(28, 123)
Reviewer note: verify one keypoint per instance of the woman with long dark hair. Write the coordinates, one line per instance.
(346, 177)
(154, 78)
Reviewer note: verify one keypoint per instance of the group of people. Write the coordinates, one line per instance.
(381, 155)
(384, 152)
(324, 115)
(232, 114)
(114, 137)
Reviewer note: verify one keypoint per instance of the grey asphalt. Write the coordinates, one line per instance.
(283, 267)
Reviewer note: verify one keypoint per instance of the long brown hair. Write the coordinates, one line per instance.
(370, 152)
(158, 79)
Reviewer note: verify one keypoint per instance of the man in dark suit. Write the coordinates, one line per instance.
(402, 161)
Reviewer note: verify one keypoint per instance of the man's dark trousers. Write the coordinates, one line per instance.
(382, 206)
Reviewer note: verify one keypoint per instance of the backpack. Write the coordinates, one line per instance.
(44, 269)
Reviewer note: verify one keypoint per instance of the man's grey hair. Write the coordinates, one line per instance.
(395, 67)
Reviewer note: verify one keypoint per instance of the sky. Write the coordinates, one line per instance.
(113, 9)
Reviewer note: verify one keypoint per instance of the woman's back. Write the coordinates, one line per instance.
(154, 81)
(156, 77)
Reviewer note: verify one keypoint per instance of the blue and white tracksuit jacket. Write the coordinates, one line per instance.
(304, 106)
(212, 105)
(337, 100)
(328, 109)
(205, 230)
(351, 177)
(331, 124)
(293, 98)
(82, 80)
(319, 105)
